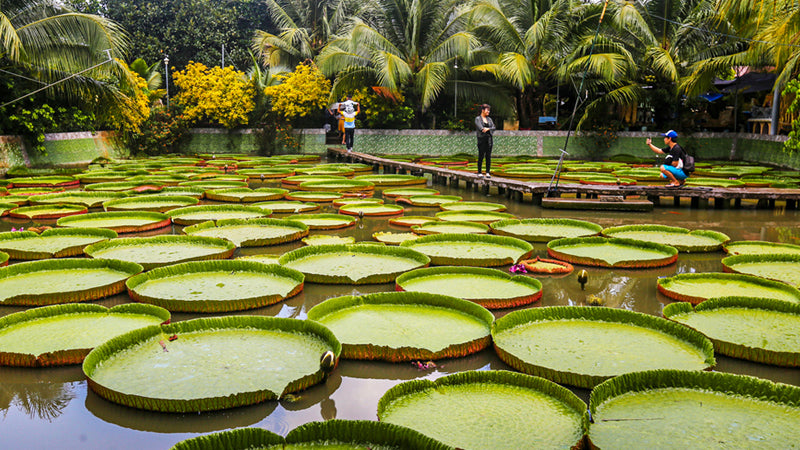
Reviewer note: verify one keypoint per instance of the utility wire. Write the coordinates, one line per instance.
(22, 76)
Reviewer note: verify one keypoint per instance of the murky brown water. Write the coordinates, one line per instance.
(52, 408)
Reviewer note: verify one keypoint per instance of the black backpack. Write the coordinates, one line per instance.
(688, 163)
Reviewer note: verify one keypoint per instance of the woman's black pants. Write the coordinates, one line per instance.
(485, 151)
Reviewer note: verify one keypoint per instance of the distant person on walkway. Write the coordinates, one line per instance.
(349, 110)
(672, 169)
(484, 127)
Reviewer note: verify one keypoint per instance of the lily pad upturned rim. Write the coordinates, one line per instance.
(663, 283)
(99, 196)
(214, 305)
(671, 253)
(472, 206)
(258, 195)
(483, 377)
(102, 233)
(497, 227)
(30, 212)
(381, 210)
(226, 248)
(523, 246)
(422, 200)
(400, 354)
(304, 206)
(140, 203)
(736, 350)
(344, 220)
(4, 259)
(176, 214)
(393, 250)
(489, 303)
(516, 318)
(82, 295)
(776, 245)
(448, 216)
(564, 267)
(479, 228)
(398, 192)
(721, 238)
(212, 184)
(158, 220)
(66, 356)
(336, 186)
(302, 232)
(729, 262)
(107, 350)
(43, 181)
(313, 196)
(410, 221)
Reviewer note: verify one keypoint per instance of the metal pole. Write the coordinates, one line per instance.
(223, 56)
(776, 107)
(455, 92)
(166, 76)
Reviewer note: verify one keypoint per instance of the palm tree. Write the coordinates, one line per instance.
(151, 76)
(40, 39)
(305, 27)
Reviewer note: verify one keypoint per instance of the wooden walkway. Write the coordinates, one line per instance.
(700, 197)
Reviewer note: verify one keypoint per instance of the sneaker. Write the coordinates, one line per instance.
(349, 150)
(480, 175)
(488, 175)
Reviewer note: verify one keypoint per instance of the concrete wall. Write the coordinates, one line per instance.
(60, 149)
(215, 140)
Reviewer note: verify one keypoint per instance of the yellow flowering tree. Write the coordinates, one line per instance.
(300, 94)
(133, 107)
(214, 95)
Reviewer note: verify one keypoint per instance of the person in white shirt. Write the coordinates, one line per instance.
(349, 110)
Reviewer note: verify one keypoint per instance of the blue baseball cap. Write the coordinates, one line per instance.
(670, 134)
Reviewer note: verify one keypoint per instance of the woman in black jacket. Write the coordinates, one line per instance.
(484, 127)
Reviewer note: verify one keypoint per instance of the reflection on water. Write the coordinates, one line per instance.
(38, 408)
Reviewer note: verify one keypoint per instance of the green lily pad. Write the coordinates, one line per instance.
(336, 186)
(288, 206)
(779, 267)
(6, 207)
(354, 263)
(387, 237)
(42, 212)
(213, 184)
(184, 191)
(404, 326)
(44, 181)
(266, 172)
(392, 179)
(157, 203)
(68, 280)
(323, 239)
(53, 243)
(612, 252)
(64, 334)
(481, 250)
(544, 230)
(484, 217)
(357, 201)
(192, 215)
(408, 192)
(698, 287)
(429, 200)
(440, 227)
(214, 363)
(121, 186)
(320, 170)
(157, 251)
(490, 288)
(261, 257)
(478, 410)
(3, 259)
(313, 196)
(665, 408)
(119, 221)
(88, 199)
(410, 221)
(583, 346)
(32, 191)
(215, 286)
(472, 206)
(680, 238)
(713, 182)
(251, 232)
(324, 221)
(371, 209)
(640, 173)
(246, 195)
(297, 179)
(760, 248)
(756, 329)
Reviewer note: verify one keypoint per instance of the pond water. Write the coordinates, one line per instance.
(53, 408)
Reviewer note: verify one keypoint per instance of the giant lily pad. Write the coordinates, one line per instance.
(680, 409)
(196, 214)
(544, 230)
(324, 239)
(336, 186)
(371, 209)
(184, 191)
(472, 206)
(470, 249)
(485, 217)
(68, 280)
(53, 243)
(410, 221)
(297, 179)
(439, 227)
(251, 232)
(354, 263)
(680, 238)
(612, 252)
(428, 200)
(404, 326)
(6, 207)
(489, 288)
(121, 186)
(214, 363)
(267, 172)
(779, 267)
(157, 203)
(313, 196)
(408, 192)
(215, 286)
(64, 334)
(44, 181)
(392, 179)
(697, 287)
(324, 221)
(387, 237)
(357, 201)
(288, 206)
(119, 221)
(583, 346)
(214, 184)
(757, 329)
(3, 259)
(246, 195)
(479, 410)
(157, 251)
(761, 248)
(42, 212)
(88, 199)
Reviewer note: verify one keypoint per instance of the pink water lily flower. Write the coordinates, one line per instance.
(517, 268)
(18, 229)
